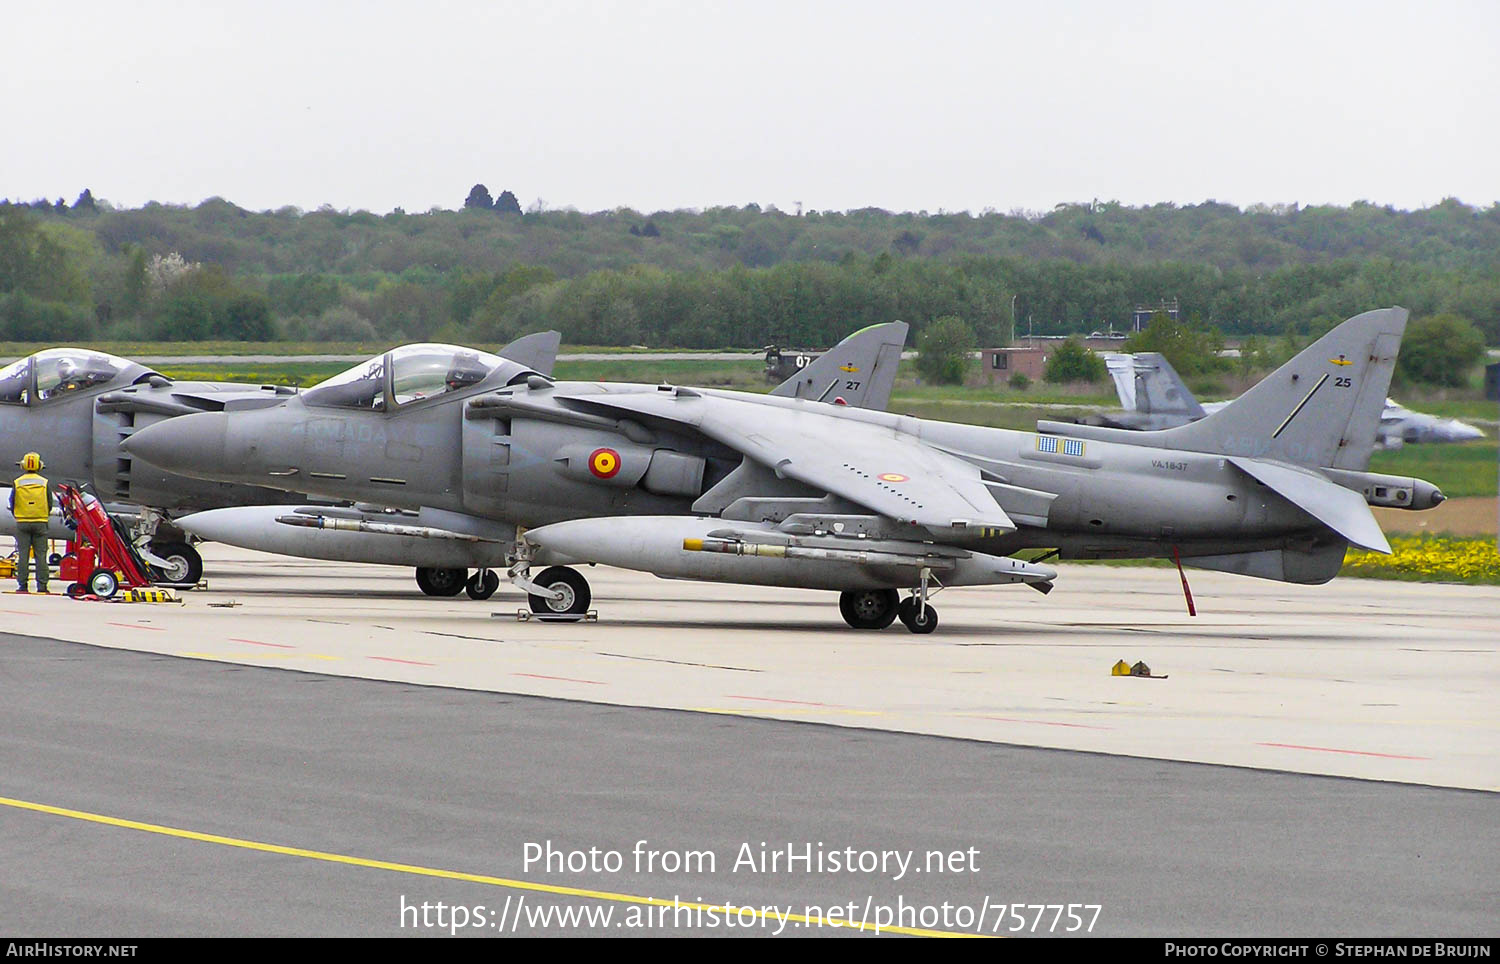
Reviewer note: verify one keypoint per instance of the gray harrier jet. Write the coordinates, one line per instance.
(403, 411)
(74, 405)
(786, 491)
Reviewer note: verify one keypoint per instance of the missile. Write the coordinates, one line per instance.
(377, 528)
(260, 528)
(716, 550)
(775, 551)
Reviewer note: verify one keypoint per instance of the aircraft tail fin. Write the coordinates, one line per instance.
(1159, 390)
(858, 371)
(1121, 367)
(537, 351)
(1319, 409)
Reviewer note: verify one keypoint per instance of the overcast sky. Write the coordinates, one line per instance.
(912, 105)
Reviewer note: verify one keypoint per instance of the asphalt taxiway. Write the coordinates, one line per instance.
(258, 760)
(150, 796)
(1380, 680)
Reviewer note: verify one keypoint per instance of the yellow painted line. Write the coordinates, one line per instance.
(420, 871)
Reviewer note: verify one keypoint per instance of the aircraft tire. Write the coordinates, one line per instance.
(869, 608)
(442, 582)
(575, 590)
(921, 625)
(482, 584)
(187, 564)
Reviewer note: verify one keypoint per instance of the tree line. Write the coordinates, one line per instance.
(740, 277)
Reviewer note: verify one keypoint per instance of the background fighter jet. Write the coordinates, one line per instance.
(1400, 426)
(1153, 396)
(76, 405)
(729, 486)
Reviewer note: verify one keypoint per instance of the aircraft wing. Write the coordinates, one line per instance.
(888, 472)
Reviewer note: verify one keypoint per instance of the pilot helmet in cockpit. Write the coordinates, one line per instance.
(466, 370)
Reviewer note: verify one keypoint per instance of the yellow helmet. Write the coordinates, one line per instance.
(32, 462)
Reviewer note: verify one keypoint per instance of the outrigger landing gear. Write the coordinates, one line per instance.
(920, 622)
(914, 612)
(482, 584)
(878, 608)
(869, 608)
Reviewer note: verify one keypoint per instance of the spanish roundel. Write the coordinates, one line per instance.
(604, 463)
(893, 477)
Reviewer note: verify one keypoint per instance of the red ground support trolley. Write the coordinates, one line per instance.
(100, 558)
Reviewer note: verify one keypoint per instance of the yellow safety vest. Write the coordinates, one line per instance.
(31, 502)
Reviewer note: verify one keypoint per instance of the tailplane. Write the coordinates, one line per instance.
(858, 371)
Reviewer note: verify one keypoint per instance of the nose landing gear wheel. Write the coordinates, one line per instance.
(482, 584)
(869, 608)
(442, 582)
(186, 565)
(574, 588)
(920, 623)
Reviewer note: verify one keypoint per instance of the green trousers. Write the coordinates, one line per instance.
(31, 537)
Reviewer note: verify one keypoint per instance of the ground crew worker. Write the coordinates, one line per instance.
(31, 504)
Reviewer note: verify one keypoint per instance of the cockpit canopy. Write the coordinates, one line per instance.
(413, 373)
(61, 371)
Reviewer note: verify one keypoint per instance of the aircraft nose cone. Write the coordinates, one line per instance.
(182, 444)
(1438, 497)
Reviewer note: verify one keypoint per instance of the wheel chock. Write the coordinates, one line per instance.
(526, 615)
(1140, 669)
(200, 584)
(148, 595)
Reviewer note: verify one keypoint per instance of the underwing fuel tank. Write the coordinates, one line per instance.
(259, 528)
(678, 547)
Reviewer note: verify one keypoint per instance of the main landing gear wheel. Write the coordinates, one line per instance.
(185, 564)
(574, 588)
(482, 584)
(442, 582)
(869, 608)
(920, 623)
(103, 583)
